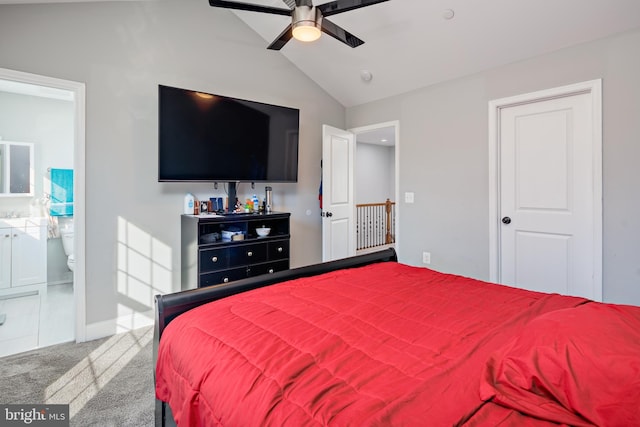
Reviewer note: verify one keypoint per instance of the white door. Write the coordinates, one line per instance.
(338, 201)
(548, 202)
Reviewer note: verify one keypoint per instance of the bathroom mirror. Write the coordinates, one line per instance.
(16, 169)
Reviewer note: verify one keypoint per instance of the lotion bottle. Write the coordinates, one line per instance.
(189, 204)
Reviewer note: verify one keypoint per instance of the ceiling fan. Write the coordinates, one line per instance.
(307, 20)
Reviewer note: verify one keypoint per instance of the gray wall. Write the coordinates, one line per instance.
(444, 157)
(122, 51)
(374, 176)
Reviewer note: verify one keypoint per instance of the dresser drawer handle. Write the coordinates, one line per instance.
(280, 249)
(249, 253)
(270, 270)
(225, 280)
(214, 259)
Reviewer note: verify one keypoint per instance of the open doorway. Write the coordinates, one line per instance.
(340, 232)
(376, 186)
(48, 307)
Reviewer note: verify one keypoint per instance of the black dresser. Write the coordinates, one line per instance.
(211, 255)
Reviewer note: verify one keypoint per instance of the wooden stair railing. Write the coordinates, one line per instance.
(375, 224)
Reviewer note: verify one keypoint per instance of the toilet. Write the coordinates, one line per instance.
(66, 233)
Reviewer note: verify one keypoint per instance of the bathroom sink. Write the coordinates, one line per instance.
(22, 222)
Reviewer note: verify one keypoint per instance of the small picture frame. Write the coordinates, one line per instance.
(204, 206)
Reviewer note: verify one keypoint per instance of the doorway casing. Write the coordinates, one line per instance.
(395, 124)
(362, 129)
(592, 88)
(78, 90)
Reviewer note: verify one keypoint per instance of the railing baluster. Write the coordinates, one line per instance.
(375, 224)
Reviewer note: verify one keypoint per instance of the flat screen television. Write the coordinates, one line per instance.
(211, 138)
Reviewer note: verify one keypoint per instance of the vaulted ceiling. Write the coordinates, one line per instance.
(415, 43)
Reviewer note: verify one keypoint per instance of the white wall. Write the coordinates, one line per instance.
(48, 124)
(375, 173)
(122, 51)
(45, 122)
(444, 157)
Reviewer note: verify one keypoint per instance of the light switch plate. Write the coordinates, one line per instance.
(408, 197)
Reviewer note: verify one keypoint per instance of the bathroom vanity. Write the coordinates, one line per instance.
(23, 255)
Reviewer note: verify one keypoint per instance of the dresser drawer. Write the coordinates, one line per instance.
(214, 259)
(220, 277)
(278, 250)
(267, 268)
(247, 254)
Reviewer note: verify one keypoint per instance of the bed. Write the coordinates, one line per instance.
(368, 341)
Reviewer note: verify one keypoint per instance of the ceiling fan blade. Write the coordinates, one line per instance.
(340, 33)
(340, 6)
(250, 7)
(282, 39)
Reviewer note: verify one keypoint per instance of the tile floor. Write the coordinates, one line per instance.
(35, 321)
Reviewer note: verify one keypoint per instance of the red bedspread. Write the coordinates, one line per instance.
(386, 344)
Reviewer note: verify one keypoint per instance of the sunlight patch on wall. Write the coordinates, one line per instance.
(144, 267)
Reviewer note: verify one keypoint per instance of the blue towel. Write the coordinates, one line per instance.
(61, 192)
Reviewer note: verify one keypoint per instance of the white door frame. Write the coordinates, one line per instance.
(396, 126)
(78, 90)
(592, 87)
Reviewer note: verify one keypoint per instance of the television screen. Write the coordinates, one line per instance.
(206, 137)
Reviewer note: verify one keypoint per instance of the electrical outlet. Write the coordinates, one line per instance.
(426, 257)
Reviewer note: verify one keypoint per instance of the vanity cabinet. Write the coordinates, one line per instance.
(209, 258)
(23, 253)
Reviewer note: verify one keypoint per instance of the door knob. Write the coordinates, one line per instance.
(506, 220)
(329, 214)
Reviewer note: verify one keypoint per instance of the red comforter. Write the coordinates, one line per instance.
(389, 345)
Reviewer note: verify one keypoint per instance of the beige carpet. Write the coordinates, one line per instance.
(106, 382)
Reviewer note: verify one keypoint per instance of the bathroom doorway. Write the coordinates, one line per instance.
(48, 113)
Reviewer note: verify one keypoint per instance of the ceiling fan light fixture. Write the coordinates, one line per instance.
(306, 23)
(306, 31)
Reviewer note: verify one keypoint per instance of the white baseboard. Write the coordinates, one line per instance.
(121, 324)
